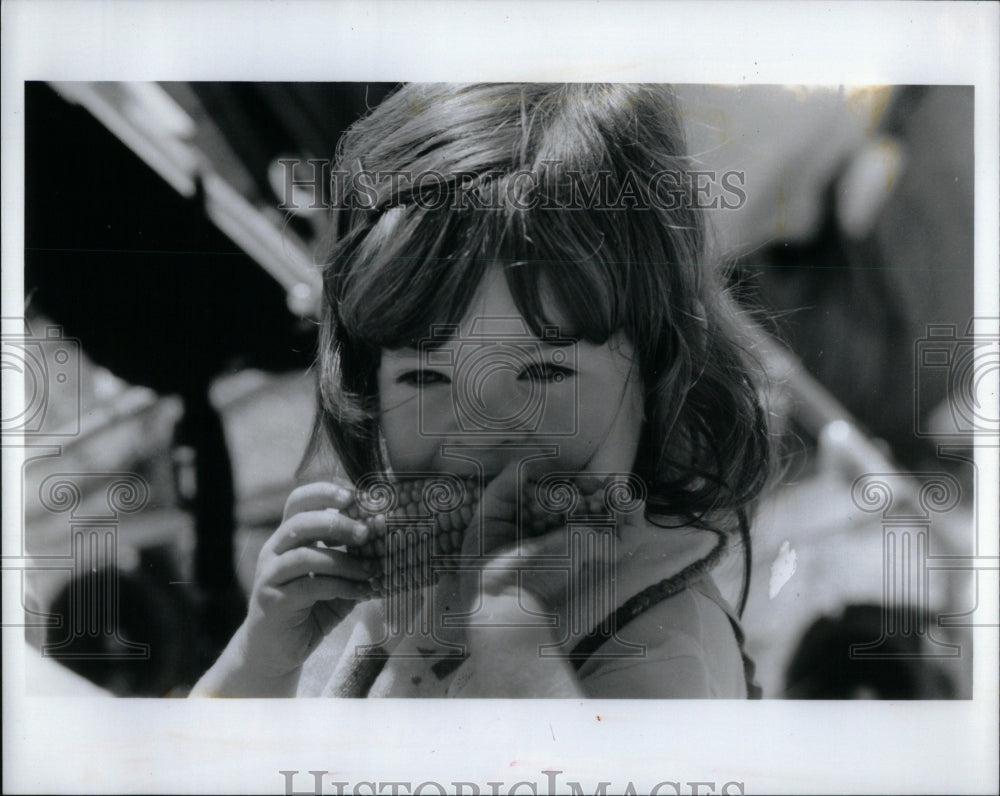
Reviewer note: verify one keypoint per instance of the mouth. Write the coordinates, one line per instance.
(486, 459)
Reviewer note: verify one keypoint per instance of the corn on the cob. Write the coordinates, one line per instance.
(416, 523)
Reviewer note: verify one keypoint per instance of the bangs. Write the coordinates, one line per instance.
(542, 168)
(570, 282)
(418, 269)
(407, 275)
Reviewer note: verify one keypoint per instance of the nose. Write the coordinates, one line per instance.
(497, 392)
(493, 397)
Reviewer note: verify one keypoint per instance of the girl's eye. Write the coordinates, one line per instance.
(545, 372)
(422, 378)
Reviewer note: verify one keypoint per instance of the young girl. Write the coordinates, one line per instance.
(554, 229)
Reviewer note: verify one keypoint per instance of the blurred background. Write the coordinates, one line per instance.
(170, 326)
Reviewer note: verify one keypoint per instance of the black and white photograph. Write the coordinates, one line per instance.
(651, 410)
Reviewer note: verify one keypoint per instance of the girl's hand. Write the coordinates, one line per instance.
(509, 598)
(539, 565)
(302, 591)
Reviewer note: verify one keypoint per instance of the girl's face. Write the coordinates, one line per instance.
(494, 393)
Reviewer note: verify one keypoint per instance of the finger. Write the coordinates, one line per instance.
(548, 565)
(305, 591)
(318, 496)
(499, 498)
(494, 521)
(501, 518)
(545, 552)
(563, 549)
(328, 526)
(553, 544)
(301, 561)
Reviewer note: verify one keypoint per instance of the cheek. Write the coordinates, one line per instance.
(400, 429)
(613, 418)
(610, 415)
(395, 431)
(407, 449)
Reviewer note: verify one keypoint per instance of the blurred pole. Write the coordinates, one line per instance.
(878, 484)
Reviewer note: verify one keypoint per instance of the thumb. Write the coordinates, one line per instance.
(494, 522)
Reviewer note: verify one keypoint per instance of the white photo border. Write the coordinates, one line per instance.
(131, 745)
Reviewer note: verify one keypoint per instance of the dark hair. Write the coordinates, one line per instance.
(518, 169)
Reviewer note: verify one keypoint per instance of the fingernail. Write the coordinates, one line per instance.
(360, 532)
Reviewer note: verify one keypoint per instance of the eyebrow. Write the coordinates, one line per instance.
(411, 352)
(408, 352)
